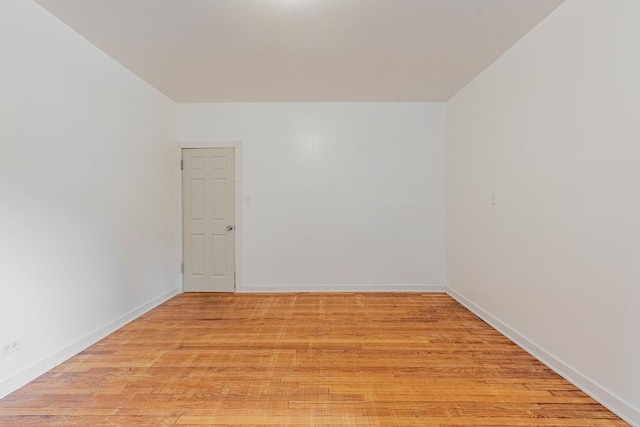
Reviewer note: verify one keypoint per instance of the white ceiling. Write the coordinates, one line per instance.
(304, 50)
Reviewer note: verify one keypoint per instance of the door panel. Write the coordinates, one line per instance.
(208, 191)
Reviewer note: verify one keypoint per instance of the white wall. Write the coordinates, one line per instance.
(553, 128)
(342, 195)
(87, 192)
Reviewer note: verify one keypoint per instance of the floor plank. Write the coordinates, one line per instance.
(379, 359)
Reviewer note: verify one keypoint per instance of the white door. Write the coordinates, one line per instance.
(208, 204)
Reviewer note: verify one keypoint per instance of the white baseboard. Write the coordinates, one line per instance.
(340, 288)
(23, 377)
(612, 402)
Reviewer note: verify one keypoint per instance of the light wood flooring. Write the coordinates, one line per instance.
(356, 359)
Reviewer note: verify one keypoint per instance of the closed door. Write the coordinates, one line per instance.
(208, 219)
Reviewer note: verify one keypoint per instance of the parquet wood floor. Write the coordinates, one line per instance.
(304, 360)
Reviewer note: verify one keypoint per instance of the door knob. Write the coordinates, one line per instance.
(229, 228)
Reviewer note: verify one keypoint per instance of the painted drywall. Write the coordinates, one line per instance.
(552, 130)
(336, 196)
(88, 214)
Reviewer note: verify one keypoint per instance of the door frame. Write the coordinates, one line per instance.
(237, 148)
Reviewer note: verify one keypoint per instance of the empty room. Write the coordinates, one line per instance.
(320, 212)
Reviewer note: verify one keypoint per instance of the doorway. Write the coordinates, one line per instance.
(208, 219)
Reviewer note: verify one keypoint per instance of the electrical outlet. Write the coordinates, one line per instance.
(10, 347)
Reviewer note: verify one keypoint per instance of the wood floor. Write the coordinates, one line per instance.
(304, 360)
